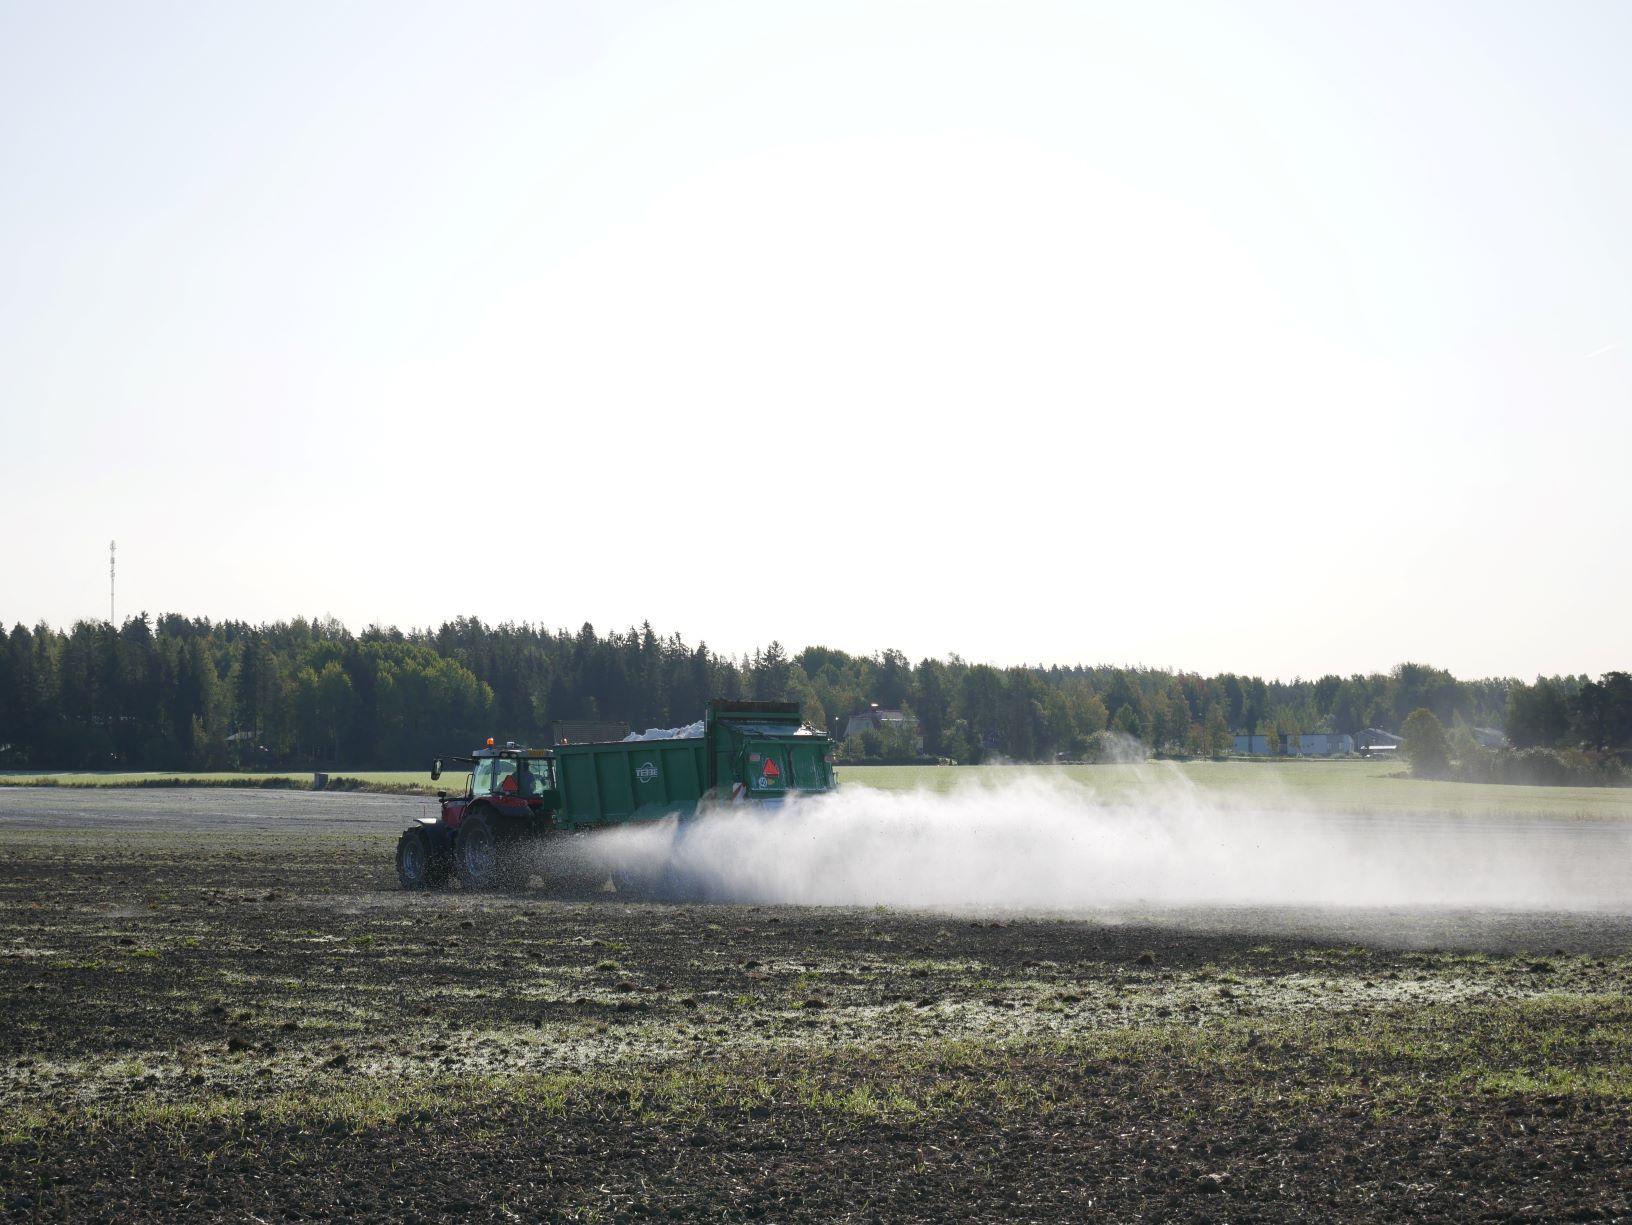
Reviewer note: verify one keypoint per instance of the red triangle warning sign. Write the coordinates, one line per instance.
(770, 770)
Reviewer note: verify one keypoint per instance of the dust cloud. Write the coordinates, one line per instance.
(1050, 844)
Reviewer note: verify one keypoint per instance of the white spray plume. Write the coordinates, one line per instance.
(1046, 843)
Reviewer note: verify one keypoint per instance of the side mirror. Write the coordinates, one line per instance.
(436, 769)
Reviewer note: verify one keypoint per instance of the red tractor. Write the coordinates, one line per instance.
(510, 793)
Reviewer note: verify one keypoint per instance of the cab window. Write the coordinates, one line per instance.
(533, 777)
(482, 782)
(504, 770)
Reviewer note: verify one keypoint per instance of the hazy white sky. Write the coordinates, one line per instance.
(1285, 338)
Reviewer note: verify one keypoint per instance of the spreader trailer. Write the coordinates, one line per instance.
(517, 798)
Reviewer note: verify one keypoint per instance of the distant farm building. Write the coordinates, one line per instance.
(875, 719)
(1319, 744)
(1315, 744)
(1376, 740)
(1489, 738)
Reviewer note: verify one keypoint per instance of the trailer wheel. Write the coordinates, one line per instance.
(676, 885)
(420, 863)
(479, 854)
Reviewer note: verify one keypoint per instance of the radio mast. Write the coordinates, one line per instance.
(112, 546)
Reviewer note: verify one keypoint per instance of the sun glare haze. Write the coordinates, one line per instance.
(1277, 337)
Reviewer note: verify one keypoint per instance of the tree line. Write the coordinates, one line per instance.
(1562, 731)
(185, 693)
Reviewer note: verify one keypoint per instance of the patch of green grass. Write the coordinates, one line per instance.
(23, 1125)
(861, 1102)
(1330, 956)
(1549, 1081)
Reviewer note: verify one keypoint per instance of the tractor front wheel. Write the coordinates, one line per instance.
(420, 863)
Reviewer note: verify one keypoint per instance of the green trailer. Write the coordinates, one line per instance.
(756, 753)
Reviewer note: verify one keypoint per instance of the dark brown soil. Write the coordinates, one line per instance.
(242, 1018)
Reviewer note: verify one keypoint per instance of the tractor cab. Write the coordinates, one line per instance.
(512, 770)
(512, 777)
(521, 774)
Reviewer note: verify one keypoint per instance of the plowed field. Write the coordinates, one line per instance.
(218, 1005)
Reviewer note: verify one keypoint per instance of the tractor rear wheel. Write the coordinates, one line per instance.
(480, 855)
(421, 864)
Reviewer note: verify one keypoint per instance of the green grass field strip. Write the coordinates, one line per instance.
(1330, 786)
